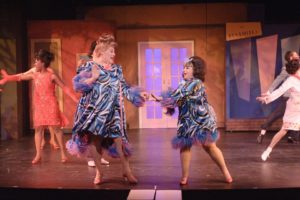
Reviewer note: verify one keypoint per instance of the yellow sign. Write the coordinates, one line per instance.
(235, 31)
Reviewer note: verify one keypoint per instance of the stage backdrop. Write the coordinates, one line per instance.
(251, 66)
(8, 99)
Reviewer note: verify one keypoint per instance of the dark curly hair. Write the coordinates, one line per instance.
(45, 56)
(288, 55)
(199, 67)
(92, 48)
(292, 66)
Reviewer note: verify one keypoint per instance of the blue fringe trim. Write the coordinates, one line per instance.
(168, 102)
(79, 85)
(179, 143)
(112, 151)
(78, 146)
(202, 137)
(137, 99)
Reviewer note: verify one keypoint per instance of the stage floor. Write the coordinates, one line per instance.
(156, 165)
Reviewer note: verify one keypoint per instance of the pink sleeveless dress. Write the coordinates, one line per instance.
(45, 105)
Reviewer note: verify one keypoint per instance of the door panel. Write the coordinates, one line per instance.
(160, 67)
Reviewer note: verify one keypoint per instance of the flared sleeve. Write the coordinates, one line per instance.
(286, 85)
(83, 73)
(132, 93)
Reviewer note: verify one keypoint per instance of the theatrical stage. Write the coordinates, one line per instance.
(157, 167)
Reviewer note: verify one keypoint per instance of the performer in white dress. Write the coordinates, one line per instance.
(291, 118)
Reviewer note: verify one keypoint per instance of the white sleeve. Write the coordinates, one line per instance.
(286, 85)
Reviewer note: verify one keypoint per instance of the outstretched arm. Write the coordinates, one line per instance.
(135, 95)
(15, 77)
(65, 89)
(278, 92)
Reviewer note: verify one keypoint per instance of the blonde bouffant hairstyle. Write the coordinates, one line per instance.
(105, 41)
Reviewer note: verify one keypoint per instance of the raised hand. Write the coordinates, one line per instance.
(4, 77)
(95, 75)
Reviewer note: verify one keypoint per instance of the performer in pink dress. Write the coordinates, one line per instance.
(291, 118)
(46, 112)
(52, 134)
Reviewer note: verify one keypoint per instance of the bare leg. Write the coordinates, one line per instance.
(94, 150)
(38, 140)
(280, 134)
(52, 139)
(217, 156)
(185, 158)
(277, 137)
(59, 135)
(43, 139)
(125, 163)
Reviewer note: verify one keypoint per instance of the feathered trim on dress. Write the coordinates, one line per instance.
(127, 150)
(78, 82)
(168, 102)
(137, 99)
(79, 146)
(201, 137)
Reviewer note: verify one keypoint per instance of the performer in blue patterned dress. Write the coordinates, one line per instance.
(100, 117)
(196, 120)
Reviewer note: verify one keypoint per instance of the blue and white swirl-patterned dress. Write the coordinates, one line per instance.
(100, 110)
(196, 119)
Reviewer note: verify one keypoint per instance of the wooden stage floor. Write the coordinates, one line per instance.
(156, 165)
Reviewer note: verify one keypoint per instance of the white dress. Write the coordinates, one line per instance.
(291, 118)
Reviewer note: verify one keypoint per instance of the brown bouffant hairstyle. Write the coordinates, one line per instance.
(292, 66)
(45, 57)
(199, 67)
(105, 41)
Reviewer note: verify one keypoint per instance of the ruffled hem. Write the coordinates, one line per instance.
(112, 151)
(291, 126)
(78, 146)
(203, 137)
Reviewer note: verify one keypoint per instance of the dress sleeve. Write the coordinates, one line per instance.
(83, 73)
(171, 98)
(132, 93)
(281, 90)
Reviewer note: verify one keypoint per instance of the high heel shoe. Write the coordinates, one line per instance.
(98, 180)
(54, 146)
(260, 138)
(184, 181)
(36, 160)
(130, 178)
(64, 160)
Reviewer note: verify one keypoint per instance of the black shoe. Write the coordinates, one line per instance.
(291, 140)
(260, 138)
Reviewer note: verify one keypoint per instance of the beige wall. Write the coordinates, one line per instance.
(169, 15)
(203, 23)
